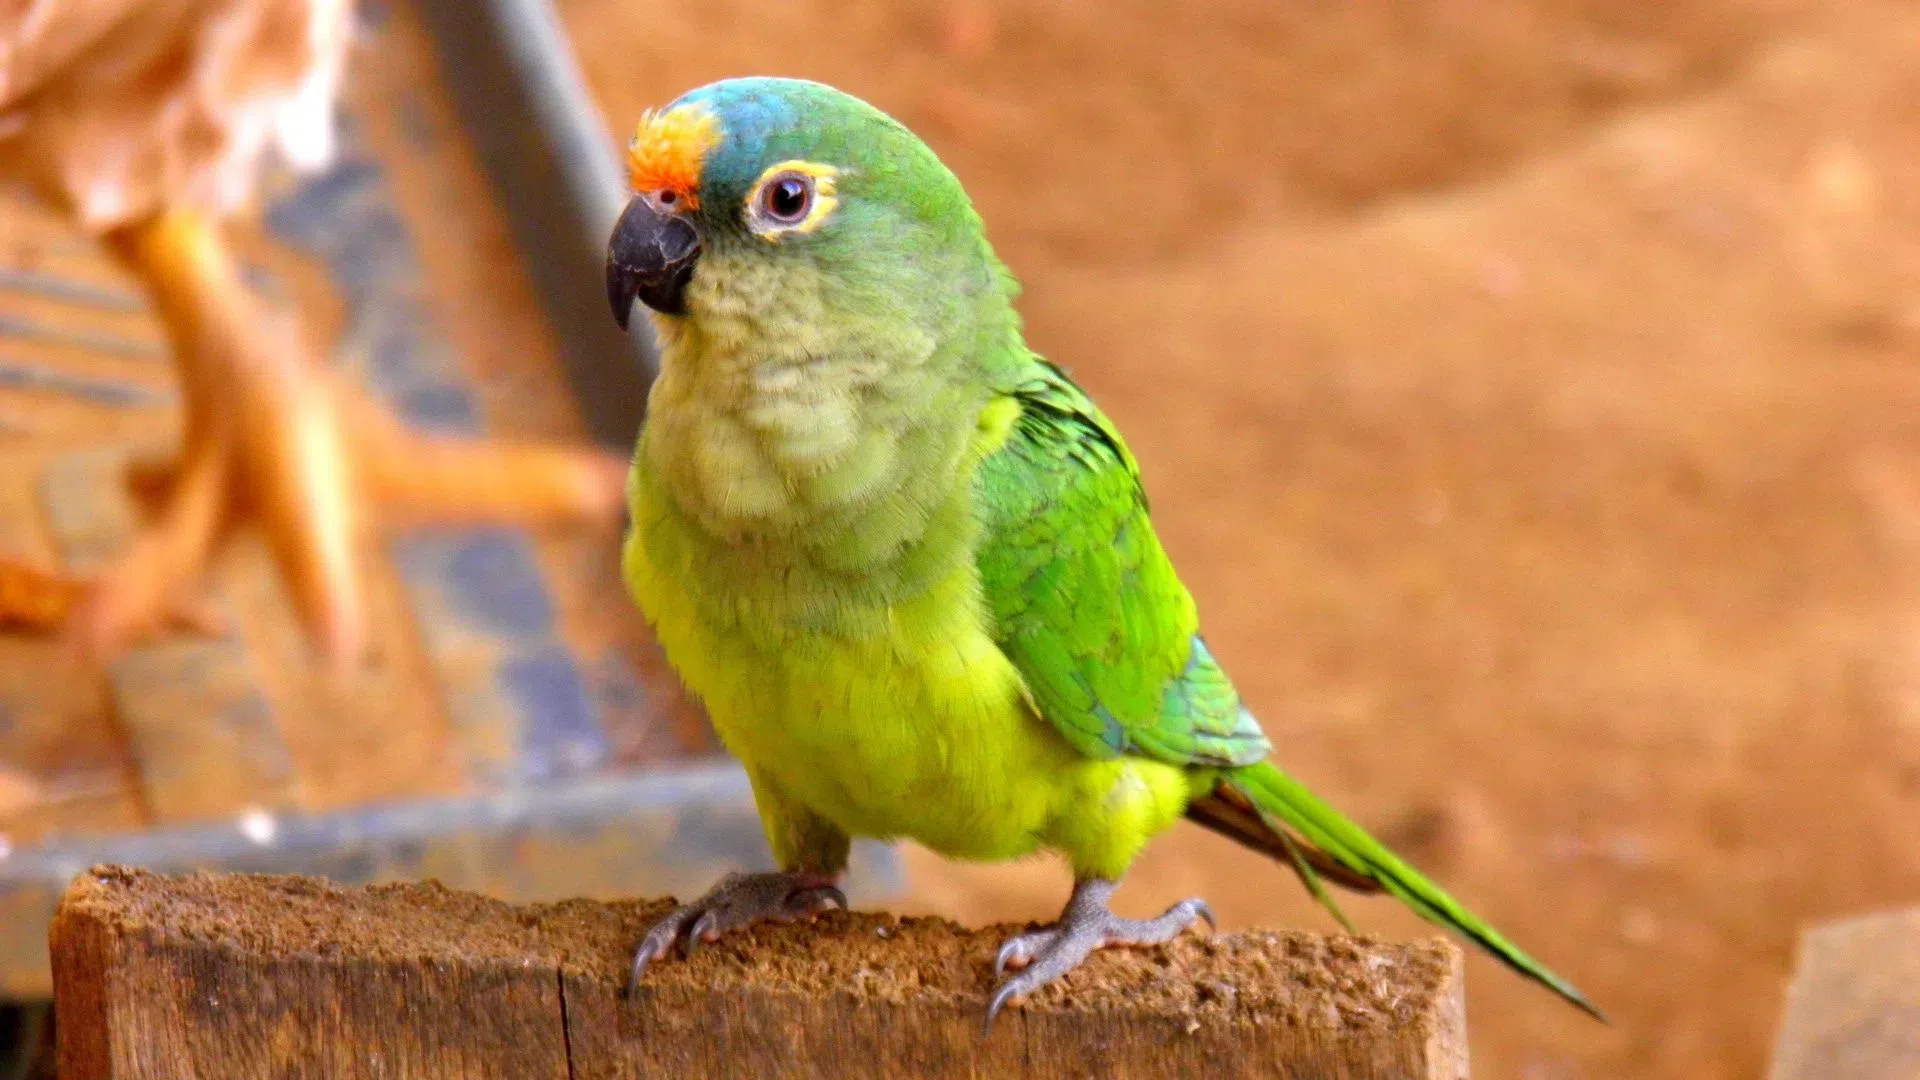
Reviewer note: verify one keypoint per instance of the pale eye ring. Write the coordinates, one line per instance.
(786, 198)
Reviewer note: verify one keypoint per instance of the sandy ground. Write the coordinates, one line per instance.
(1527, 390)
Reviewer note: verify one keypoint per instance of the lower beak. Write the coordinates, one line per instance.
(650, 258)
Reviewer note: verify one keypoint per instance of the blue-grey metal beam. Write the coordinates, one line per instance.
(554, 162)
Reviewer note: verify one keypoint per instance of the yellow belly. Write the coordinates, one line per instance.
(935, 745)
(924, 732)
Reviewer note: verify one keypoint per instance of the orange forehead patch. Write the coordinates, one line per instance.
(668, 150)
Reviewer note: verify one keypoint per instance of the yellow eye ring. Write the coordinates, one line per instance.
(791, 197)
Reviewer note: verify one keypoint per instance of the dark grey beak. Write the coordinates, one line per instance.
(651, 258)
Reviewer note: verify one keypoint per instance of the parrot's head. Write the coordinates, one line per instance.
(780, 214)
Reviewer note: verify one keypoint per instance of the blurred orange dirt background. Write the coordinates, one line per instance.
(1529, 392)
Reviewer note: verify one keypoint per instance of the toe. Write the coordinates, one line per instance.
(656, 944)
(706, 928)
(1164, 927)
(1020, 950)
(1012, 955)
(1009, 992)
(1061, 953)
(739, 900)
(817, 899)
(642, 956)
(1198, 910)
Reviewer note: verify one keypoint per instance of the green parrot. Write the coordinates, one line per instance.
(905, 562)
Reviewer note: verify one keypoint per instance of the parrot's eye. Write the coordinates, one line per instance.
(786, 199)
(791, 198)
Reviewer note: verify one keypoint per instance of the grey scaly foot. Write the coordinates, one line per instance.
(1044, 955)
(739, 900)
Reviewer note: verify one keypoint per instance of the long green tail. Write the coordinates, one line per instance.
(1288, 809)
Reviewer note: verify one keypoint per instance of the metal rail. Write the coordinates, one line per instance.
(550, 155)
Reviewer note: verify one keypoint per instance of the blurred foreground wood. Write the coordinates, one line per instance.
(519, 734)
(215, 976)
(1853, 1008)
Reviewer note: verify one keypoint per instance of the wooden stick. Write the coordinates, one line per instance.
(218, 976)
(1853, 1008)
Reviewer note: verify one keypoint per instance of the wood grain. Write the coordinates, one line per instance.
(215, 976)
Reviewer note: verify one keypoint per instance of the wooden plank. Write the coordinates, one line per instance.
(515, 689)
(1853, 1008)
(483, 296)
(374, 736)
(213, 977)
(199, 732)
(269, 998)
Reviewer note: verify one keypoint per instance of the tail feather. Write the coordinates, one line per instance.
(1318, 841)
(1229, 812)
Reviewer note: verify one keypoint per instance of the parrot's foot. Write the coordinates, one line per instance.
(1044, 955)
(739, 900)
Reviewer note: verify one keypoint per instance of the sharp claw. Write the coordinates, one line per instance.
(1013, 948)
(1007, 992)
(1203, 910)
(738, 900)
(702, 926)
(831, 893)
(641, 958)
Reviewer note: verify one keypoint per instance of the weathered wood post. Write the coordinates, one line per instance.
(213, 977)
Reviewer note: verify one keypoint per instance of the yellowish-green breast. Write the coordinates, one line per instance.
(803, 543)
(923, 732)
(907, 721)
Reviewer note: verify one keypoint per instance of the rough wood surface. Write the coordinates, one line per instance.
(1853, 1008)
(244, 976)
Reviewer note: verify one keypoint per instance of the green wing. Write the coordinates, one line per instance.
(1084, 600)
(1089, 609)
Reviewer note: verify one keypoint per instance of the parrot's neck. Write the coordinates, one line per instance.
(803, 452)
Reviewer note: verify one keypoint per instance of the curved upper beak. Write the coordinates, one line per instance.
(650, 258)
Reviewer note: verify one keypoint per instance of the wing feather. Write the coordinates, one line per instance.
(1084, 600)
